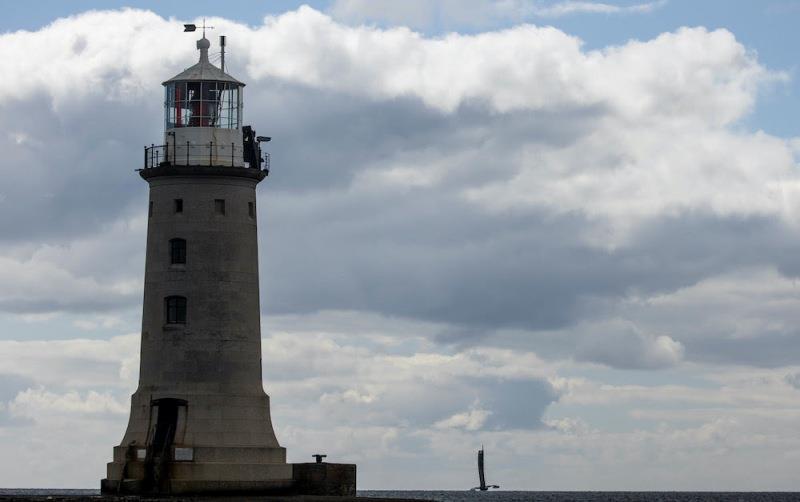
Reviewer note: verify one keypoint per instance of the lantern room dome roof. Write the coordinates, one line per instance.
(203, 70)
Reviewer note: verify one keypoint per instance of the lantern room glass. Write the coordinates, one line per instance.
(202, 104)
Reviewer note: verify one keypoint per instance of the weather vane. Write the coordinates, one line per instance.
(193, 27)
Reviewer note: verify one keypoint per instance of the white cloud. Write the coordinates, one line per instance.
(471, 420)
(748, 315)
(541, 68)
(568, 425)
(34, 403)
(35, 285)
(661, 145)
(347, 396)
(793, 379)
(623, 345)
(84, 274)
(743, 415)
(659, 112)
(773, 394)
(658, 137)
(414, 384)
(97, 53)
(77, 363)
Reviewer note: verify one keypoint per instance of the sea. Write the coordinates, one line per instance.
(509, 496)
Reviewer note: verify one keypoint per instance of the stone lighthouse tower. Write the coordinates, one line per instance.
(200, 420)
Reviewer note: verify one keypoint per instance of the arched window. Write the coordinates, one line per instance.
(177, 251)
(175, 307)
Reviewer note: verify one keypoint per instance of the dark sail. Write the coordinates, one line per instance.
(481, 476)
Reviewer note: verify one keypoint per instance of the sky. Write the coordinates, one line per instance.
(566, 230)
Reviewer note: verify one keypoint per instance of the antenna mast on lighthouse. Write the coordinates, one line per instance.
(222, 48)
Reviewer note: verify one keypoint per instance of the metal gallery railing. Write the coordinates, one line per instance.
(209, 154)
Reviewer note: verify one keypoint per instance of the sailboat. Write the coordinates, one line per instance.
(483, 487)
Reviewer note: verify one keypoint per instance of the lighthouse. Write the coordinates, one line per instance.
(200, 419)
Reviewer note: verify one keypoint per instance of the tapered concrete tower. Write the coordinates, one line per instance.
(200, 420)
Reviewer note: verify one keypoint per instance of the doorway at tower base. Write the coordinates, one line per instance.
(184, 478)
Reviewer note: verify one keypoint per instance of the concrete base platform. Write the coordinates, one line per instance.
(190, 478)
(324, 479)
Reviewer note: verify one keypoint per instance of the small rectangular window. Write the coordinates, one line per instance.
(176, 309)
(251, 209)
(150, 209)
(219, 206)
(178, 205)
(177, 251)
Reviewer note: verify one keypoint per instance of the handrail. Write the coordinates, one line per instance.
(204, 154)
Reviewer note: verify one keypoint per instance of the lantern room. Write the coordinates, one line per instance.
(202, 104)
(203, 116)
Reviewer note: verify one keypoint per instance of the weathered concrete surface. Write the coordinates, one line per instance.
(212, 362)
(322, 478)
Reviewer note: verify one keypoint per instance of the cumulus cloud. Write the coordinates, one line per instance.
(33, 403)
(76, 363)
(470, 420)
(568, 425)
(793, 379)
(86, 274)
(745, 396)
(524, 202)
(746, 316)
(417, 388)
(543, 68)
(396, 394)
(624, 346)
(370, 411)
(42, 287)
(554, 72)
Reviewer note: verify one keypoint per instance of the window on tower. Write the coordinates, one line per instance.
(177, 251)
(219, 206)
(251, 209)
(178, 205)
(175, 307)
